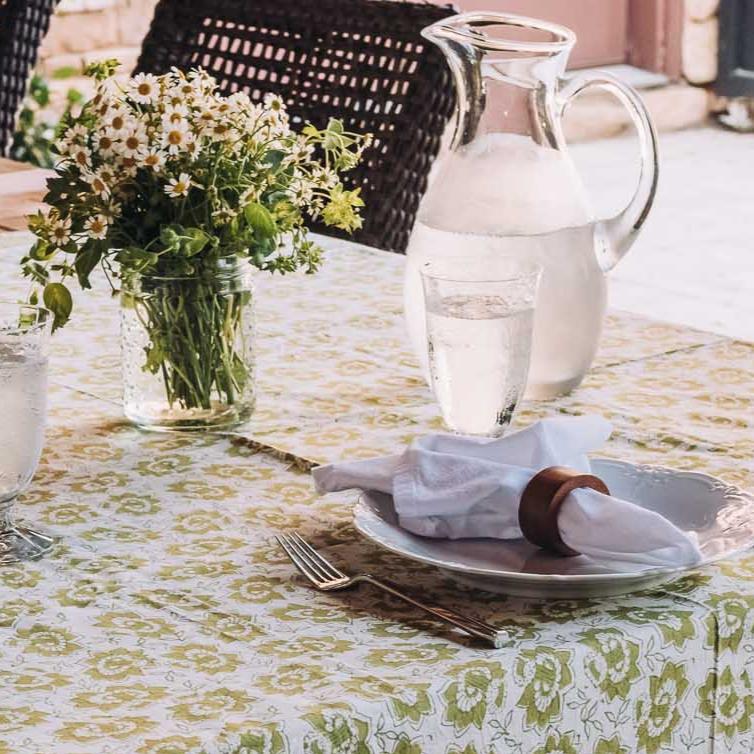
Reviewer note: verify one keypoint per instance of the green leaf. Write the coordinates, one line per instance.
(335, 125)
(74, 97)
(57, 299)
(86, 261)
(260, 219)
(42, 251)
(170, 237)
(36, 221)
(102, 69)
(136, 258)
(155, 354)
(66, 72)
(274, 158)
(193, 241)
(286, 213)
(39, 91)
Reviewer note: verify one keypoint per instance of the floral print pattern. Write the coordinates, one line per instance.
(167, 620)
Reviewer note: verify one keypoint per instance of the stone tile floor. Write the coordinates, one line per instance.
(694, 262)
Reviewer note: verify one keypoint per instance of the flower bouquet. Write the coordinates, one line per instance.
(175, 191)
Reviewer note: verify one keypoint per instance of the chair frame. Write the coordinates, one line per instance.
(24, 24)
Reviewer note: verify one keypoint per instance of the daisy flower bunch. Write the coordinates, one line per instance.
(166, 185)
(164, 175)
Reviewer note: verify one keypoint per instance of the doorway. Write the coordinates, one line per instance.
(736, 77)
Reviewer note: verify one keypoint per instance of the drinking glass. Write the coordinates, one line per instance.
(24, 338)
(480, 316)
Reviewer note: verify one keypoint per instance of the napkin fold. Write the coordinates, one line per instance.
(455, 487)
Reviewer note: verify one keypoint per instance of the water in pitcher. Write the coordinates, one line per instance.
(478, 357)
(503, 194)
(23, 387)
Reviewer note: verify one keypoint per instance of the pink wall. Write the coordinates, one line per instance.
(601, 25)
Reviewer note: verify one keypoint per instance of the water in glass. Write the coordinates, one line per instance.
(23, 389)
(479, 341)
(24, 333)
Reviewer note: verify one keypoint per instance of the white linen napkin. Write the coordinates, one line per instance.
(454, 487)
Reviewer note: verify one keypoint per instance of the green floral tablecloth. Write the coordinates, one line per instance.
(168, 621)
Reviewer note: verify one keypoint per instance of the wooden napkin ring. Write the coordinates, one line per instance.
(540, 505)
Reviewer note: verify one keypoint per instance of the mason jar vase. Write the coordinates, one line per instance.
(188, 348)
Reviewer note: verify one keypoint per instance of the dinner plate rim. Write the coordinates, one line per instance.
(645, 573)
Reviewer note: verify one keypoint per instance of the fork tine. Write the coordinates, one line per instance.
(322, 573)
(482, 625)
(296, 559)
(321, 559)
(478, 624)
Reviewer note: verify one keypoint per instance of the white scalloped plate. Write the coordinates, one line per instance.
(721, 515)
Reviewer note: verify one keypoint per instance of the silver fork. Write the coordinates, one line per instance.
(325, 577)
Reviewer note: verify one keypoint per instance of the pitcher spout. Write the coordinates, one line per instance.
(502, 32)
(500, 64)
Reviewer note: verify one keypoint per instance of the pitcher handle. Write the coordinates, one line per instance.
(623, 228)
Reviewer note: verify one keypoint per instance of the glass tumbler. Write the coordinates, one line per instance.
(24, 339)
(480, 317)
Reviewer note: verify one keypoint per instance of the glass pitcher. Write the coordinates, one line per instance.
(506, 185)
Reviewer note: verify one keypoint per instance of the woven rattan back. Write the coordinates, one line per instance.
(23, 24)
(363, 61)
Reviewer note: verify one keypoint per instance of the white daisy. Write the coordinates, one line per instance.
(189, 89)
(154, 159)
(101, 103)
(220, 131)
(222, 106)
(62, 147)
(98, 185)
(112, 210)
(175, 113)
(135, 141)
(224, 215)
(76, 134)
(274, 102)
(107, 174)
(274, 124)
(193, 148)
(177, 187)
(116, 118)
(301, 151)
(250, 194)
(144, 88)
(300, 191)
(201, 80)
(96, 227)
(60, 231)
(240, 101)
(127, 166)
(80, 155)
(105, 142)
(324, 177)
(177, 136)
(205, 117)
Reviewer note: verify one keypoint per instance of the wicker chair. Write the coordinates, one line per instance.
(363, 61)
(23, 24)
